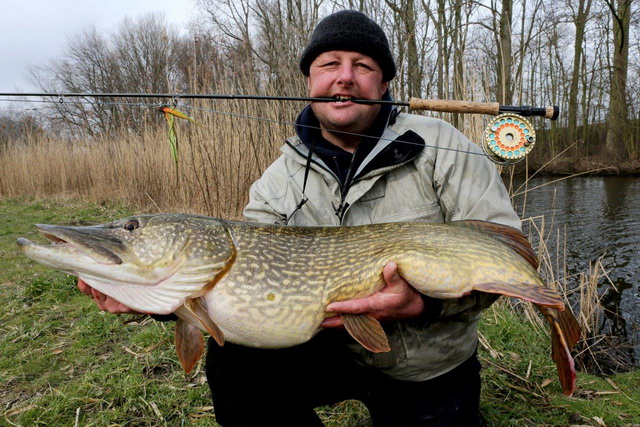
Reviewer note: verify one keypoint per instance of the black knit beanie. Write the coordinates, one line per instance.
(353, 31)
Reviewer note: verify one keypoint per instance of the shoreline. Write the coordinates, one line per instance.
(585, 166)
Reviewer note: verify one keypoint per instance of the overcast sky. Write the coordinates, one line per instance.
(34, 31)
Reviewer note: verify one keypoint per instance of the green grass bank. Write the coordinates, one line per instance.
(63, 362)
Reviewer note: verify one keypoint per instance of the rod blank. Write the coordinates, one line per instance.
(442, 105)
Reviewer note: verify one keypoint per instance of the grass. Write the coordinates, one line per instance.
(63, 362)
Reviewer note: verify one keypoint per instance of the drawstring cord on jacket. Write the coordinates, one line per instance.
(307, 167)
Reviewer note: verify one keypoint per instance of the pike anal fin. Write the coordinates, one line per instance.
(528, 292)
(197, 307)
(189, 344)
(365, 329)
(565, 332)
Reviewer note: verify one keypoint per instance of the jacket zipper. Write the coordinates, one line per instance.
(343, 207)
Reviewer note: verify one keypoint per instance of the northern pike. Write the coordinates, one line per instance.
(267, 285)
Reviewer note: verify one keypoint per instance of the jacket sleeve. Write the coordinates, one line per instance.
(266, 196)
(469, 186)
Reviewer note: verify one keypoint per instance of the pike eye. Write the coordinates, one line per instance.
(131, 225)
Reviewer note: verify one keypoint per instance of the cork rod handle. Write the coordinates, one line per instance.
(453, 106)
(492, 108)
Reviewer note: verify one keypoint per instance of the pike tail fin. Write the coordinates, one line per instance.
(565, 332)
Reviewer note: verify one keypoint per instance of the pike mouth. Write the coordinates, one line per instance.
(85, 240)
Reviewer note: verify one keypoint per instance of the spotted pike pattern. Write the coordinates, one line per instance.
(282, 278)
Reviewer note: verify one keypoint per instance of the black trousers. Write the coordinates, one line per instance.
(257, 387)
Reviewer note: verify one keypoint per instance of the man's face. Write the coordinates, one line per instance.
(346, 74)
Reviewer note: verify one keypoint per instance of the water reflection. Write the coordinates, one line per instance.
(601, 216)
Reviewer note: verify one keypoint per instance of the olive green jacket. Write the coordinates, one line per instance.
(448, 180)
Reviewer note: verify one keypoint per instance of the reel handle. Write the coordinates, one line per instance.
(550, 113)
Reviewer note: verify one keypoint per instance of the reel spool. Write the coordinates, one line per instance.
(508, 139)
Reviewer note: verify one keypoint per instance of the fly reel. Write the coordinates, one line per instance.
(508, 139)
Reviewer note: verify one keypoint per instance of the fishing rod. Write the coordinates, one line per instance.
(416, 104)
(507, 139)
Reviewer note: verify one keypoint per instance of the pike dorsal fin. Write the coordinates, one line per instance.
(365, 329)
(197, 307)
(189, 344)
(510, 236)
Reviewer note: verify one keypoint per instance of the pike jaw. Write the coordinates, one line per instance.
(150, 263)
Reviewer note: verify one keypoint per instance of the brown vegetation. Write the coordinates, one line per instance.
(217, 163)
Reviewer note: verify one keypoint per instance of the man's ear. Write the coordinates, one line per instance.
(308, 83)
(385, 86)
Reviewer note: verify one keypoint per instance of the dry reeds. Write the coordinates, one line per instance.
(600, 351)
(217, 163)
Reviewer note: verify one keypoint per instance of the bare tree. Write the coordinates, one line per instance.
(405, 14)
(140, 56)
(231, 20)
(504, 90)
(579, 15)
(532, 52)
(17, 127)
(618, 132)
(283, 28)
(87, 65)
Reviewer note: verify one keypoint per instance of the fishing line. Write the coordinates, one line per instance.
(286, 122)
(84, 102)
(62, 100)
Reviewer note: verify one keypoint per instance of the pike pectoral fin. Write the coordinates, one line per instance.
(197, 307)
(189, 344)
(528, 292)
(365, 329)
(565, 332)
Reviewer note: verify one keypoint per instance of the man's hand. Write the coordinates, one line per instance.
(104, 302)
(397, 300)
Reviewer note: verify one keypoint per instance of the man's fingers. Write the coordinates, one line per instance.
(105, 302)
(391, 276)
(84, 288)
(114, 307)
(332, 322)
(354, 306)
(99, 299)
(397, 300)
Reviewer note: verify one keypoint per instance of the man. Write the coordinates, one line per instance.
(352, 164)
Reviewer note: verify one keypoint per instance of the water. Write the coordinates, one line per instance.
(602, 219)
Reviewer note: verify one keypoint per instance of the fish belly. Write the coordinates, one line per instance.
(266, 317)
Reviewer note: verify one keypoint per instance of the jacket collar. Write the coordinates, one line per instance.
(384, 152)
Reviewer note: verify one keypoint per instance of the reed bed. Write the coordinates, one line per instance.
(218, 160)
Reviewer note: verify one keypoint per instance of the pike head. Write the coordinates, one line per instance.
(151, 263)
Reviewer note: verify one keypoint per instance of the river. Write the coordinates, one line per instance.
(601, 216)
